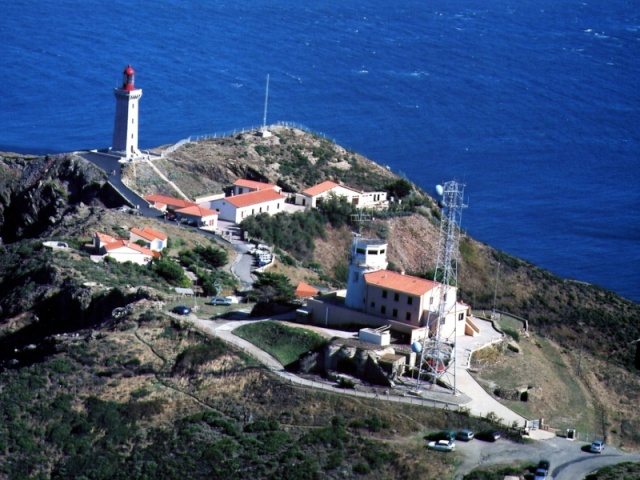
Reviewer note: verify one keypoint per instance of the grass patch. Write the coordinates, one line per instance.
(506, 322)
(555, 389)
(622, 470)
(283, 342)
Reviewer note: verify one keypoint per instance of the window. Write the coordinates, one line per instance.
(444, 297)
(443, 320)
(394, 313)
(384, 294)
(383, 309)
(407, 316)
(430, 300)
(396, 296)
(409, 300)
(460, 316)
(373, 304)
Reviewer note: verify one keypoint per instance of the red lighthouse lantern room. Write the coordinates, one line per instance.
(128, 78)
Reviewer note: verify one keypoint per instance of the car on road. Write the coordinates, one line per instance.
(442, 445)
(542, 471)
(181, 310)
(597, 446)
(488, 435)
(219, 301)
(465, 435)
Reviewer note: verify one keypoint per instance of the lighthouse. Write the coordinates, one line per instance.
(125, 130)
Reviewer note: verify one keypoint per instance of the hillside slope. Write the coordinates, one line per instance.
(44, 296)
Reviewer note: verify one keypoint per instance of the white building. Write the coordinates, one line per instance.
(311, 196)
(156, 241)
(238, 207)
(122, 250)
(367, 255)
(125, 130)
(379, 297)
(241, 186)
(126, 251)
(200, 216)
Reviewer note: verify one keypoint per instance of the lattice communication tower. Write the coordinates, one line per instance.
(438, 352)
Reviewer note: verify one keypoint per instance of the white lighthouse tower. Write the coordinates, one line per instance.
(125, 130)
(367, 255)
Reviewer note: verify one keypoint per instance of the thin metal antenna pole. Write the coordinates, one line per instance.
(266, 103)
(495, 292)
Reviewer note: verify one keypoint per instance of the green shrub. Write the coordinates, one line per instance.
(512, 333)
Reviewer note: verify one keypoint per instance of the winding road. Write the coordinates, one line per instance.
(569, 460)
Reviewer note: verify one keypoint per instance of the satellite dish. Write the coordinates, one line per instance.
(416, 347)
(439, 190)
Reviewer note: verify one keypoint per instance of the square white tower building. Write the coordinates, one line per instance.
(125, 131)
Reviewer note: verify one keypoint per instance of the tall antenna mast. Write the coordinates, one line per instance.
(438, 352)
(264, 132)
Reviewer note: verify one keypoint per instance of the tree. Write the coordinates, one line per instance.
(215, 257)
(273, 288)
(170, 271)
(400, 188)
(337, 210)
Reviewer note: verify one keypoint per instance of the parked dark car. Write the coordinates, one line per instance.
(464, 435)
(488, 435)
(219, 301)
(181, 310)
(542, 472)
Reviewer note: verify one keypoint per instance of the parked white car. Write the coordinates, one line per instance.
(443, 445)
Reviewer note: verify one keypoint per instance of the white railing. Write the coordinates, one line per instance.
(230, 133)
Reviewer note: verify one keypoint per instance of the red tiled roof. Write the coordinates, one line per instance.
(126, 243)
(399, 282)
(104, 238)
(320, 188)
(197, 211)
(305, 290)
(149, 234)
(155, 233)
(241, 182)
(254, 198)
(170, 201)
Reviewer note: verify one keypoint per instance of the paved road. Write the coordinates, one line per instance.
(569, 460)
(242, 265)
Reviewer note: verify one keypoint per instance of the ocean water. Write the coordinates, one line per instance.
(535, 106)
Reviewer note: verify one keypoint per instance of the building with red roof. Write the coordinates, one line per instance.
(165, 203)
(122, 250)
(242, 185)
(379, 297)
(156, 241)
(311, 196)
(238, 207)
(304, 290)
(200, 216)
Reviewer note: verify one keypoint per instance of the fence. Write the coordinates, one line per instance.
(230, 133)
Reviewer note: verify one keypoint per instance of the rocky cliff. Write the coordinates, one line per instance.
(36, 193)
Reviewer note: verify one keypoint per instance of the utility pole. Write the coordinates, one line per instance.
(495, 292)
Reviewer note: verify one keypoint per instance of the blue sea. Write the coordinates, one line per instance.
(534, 106)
